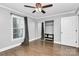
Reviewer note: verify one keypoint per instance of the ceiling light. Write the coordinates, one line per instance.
(38, 9)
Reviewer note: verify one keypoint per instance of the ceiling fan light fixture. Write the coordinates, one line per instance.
(38, 9)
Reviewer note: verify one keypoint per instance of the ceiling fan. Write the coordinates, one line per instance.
(39, 8)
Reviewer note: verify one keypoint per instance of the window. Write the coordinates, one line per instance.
(18, 27)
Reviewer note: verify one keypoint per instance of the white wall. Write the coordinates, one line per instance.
(57, 30)
(34, 29)
(5, 29)
(39, 30)
(31, 29)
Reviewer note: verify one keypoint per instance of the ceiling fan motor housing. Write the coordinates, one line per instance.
(38, 5)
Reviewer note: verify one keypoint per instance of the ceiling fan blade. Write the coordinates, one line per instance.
(29, 6)
(34, 11)
(43, 11)
(50, 5)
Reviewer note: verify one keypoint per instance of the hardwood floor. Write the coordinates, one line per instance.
(41, 48)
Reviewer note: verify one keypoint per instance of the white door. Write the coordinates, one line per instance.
(69, 34)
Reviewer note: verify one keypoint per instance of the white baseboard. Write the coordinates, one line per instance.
(65, 44)
(33, 39)
(9, 47)
(70, 45)
(57, 42)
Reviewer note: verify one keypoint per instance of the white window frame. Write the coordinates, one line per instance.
(19, 17)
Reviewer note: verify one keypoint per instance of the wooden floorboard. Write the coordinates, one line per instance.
(41, 48)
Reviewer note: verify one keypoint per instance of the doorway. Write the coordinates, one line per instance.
(49, 30)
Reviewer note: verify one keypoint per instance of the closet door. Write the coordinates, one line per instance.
(69, 28)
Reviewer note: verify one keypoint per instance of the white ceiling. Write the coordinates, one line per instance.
(56, 9)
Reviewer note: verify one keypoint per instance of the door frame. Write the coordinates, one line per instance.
(45, 26)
